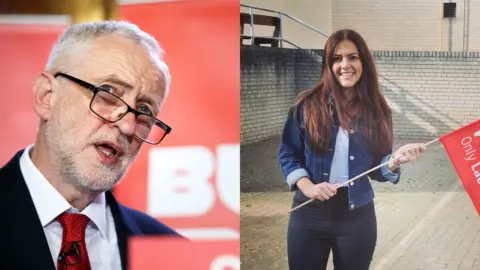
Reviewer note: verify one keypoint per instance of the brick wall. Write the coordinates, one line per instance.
(431, 93)
(267, 80)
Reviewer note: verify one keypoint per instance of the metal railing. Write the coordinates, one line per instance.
(280, 16)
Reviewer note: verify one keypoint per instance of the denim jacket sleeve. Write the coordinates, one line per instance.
(383, 174)
(291, 157)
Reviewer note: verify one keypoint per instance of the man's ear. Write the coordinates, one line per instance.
(42, 95)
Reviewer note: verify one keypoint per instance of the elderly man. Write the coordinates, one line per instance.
(97, 102)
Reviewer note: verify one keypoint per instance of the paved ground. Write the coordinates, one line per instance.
(427, 221)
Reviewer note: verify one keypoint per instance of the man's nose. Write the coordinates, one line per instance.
(127, 124)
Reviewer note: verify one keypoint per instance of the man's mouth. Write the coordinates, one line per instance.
(109, 152)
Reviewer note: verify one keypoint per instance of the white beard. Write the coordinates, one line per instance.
(74, 166)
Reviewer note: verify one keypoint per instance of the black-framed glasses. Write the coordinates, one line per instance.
(112, 108)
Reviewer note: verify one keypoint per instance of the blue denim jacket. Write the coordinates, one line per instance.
(297, 160)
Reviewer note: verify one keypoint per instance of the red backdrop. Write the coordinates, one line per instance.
(24, 50)
(192, 180)
(196, 255)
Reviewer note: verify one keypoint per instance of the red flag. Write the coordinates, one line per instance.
(463, 148)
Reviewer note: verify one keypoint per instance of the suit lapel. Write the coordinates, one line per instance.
(124, 225)
(26, 239)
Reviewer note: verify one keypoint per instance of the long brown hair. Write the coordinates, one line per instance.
(367, 101)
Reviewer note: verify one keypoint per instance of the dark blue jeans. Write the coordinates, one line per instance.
(319, 227)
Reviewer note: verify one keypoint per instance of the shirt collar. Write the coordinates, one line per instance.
(49, 203)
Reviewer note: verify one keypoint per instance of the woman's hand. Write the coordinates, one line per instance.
(407, 153)
(322, 191)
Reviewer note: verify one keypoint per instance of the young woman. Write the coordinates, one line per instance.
(337, 130)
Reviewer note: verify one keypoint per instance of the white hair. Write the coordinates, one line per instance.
(79, 37)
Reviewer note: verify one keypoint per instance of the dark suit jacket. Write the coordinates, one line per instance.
(23, 244)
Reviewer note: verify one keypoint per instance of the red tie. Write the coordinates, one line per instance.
(73, 253)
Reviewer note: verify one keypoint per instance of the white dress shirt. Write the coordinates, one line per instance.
(100, 235)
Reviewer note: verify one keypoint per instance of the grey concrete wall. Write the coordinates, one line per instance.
(400, 25)
(410, 25)
(317, 13)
